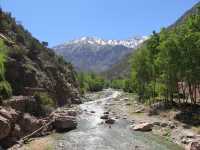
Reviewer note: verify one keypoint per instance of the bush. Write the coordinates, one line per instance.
(5, 89)
(44, 99)
(45, 103)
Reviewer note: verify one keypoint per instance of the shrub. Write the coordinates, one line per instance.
(44, 99)
(5, 89)
(45, 103)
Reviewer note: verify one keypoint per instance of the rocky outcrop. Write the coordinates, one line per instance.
(5, 127)
(15, 125)
(22, 103)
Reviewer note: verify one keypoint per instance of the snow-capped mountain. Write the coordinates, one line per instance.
(95, 54)
(130, 43)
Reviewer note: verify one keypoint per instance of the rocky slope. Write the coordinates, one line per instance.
(96, 55)
(32, 68)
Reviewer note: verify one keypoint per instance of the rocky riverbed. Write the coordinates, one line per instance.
(106, 124)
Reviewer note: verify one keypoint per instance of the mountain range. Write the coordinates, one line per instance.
(90, 54)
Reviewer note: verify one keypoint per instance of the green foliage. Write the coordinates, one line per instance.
(166, 60)
(44, 99)
(117, 84)
(90, 82)
(5, 88)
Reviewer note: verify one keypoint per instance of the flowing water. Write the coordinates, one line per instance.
(92, 134)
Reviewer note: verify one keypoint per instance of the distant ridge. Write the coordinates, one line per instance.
(92, 54)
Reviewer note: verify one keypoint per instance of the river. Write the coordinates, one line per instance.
(93, 134)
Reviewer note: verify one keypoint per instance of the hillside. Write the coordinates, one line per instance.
(31, 66)
(182, 19)
(123, 66)
(96, 55)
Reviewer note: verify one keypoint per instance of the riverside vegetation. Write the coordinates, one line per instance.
(167, 66)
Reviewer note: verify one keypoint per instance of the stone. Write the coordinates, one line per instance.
(156, 123)
(107, 112)
(104, 117)
(110, 121)
(72, 113)
(163, 124)
(65, 123)
(143, 127)
(9, 114)
(5, 127)
(29, 123)
(139, 110)
(194, 145)
(124, 99)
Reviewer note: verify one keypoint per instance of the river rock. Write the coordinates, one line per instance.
(9, 114)
(143, 127)
(107, 112)
(140, 110)
(5, 127)
(110, 121)
(104, 117)
(65, 123)
(194, 145)
(71, 112)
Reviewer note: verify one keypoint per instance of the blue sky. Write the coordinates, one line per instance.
(57, 21)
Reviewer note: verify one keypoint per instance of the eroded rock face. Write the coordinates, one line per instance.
(42, 70)
(5, 127)
(143, 127)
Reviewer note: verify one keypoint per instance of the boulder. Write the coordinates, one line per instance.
(9, 114)
(194, 145)
(71, 112)
(143, 127)
(5, 127)
(65, 123)
(110, 121)
(30, 123)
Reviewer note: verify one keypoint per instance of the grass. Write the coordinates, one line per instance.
(196, 129)
(46, 143)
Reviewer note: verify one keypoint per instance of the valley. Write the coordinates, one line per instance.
(91, 93)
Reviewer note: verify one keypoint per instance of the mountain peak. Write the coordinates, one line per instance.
(130, 43)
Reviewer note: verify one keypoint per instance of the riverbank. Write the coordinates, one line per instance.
(94, 133)
(164, 123)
